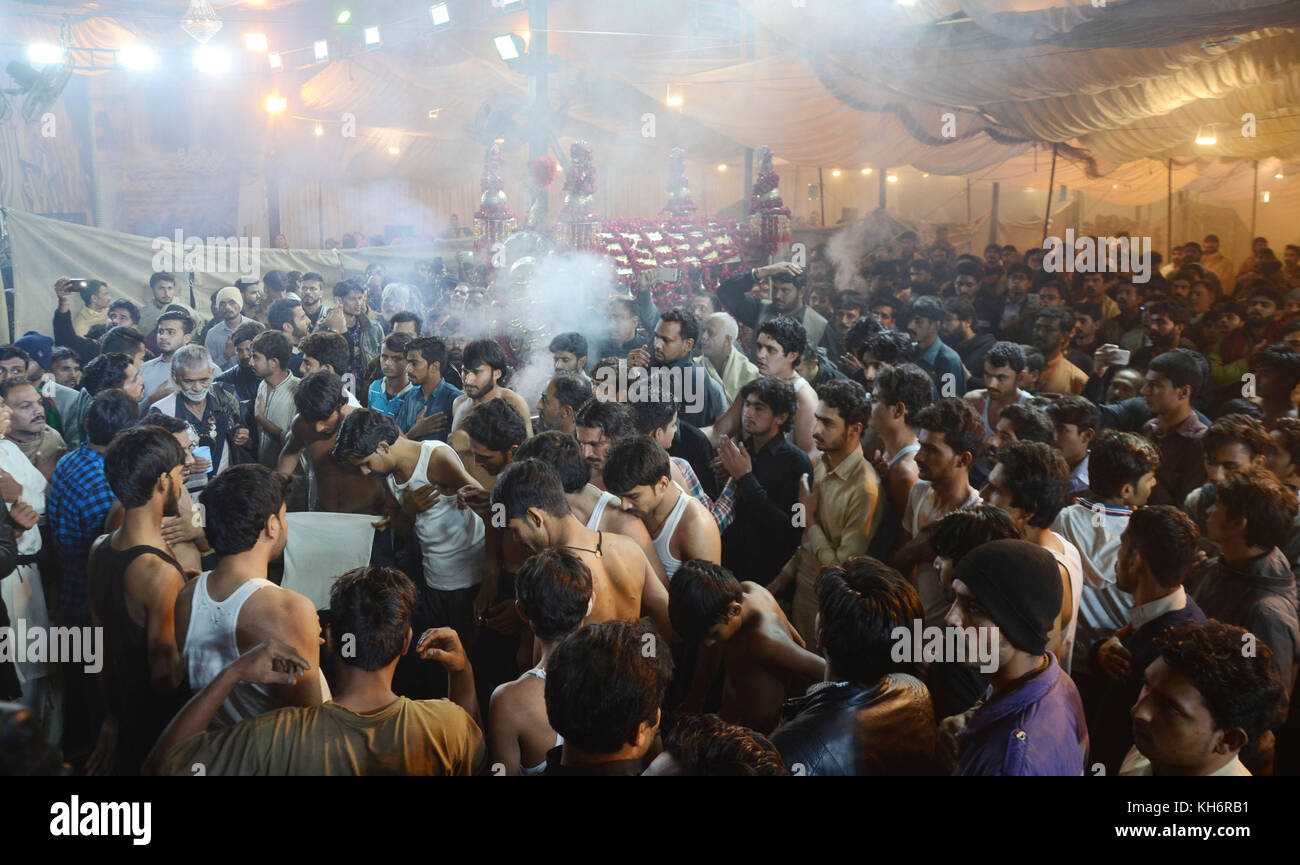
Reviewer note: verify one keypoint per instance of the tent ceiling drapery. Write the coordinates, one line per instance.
(1122, 87)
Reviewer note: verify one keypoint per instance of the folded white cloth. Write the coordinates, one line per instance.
(323, 547)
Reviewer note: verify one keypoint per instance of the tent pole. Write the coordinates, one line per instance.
(539, 100)
(1254, 204)
(880, 187)
(1169, 209)
(968, 201)
(821, 194)
(993, 216)
(1051, 185)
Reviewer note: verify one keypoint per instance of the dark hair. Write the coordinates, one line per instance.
(179, 315)
(406, 315)
(110, 412)
(1289, 427)
(614, 420)
(160, 276)
(1166, 538)
(9, 352)
(173, 425)
(274, 345)
(1281, 359)
(777, 394)
(1034, 360)
(867, 326)
(962, 308)
(563, 453)
(1023, 269)
(859, 604)
(602, 684)
(554, 590)
(530, 483)
(496, 425)
(1119, 458)
(92, 288)
(107, 370)
(238, 502)
(962, 531)
(373, 605)
(852, 300)
(11, 384)
(927, 307)
(126, 340)
(345, 287)
(649, 415)
(698, 597)
(1237, 429)
(1260, 288)
(787, 333)
(635, 461)
(361, 433)
(907, 384)
(1092, 309)
(136, 458)
(571, 389)
(398, 341)
(1241, 691)
(889, 347)
(572, 341)
(1038, 479)
(246, 332)
(962, 427)
(62, 353)
(431, 349)
(486, 351)
(1182, 367)
(312, 276)
(281, 312)
(319, 395)
(1268, 506)
(131, 309)
(972, 268)
(329, 349)
(848, 398)
(1029, 422)
(1071, 409)
(706, 745)
(686, 321)
(1061, 315)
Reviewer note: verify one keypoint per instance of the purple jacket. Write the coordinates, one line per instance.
(1037, 729)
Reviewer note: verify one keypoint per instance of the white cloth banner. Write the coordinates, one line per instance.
(323, 547)
(45, 249)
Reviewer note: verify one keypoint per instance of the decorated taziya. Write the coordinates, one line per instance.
(493, 220)
(680, 202)
(577, 222)
(769, 218)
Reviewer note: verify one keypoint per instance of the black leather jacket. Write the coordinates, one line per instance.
(843, 728)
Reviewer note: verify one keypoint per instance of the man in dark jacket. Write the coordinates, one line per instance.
(868, 717)
(787, 301)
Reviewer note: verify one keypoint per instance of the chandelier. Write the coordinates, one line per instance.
(200, 21)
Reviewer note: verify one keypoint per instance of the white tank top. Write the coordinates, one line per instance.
(538, 672)
(210, 647)
(451, 539)
(593, 522)
(1074, 567)
(666, 532)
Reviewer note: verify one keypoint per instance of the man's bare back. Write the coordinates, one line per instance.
(340, 488)
(618, 521)
(765, 662)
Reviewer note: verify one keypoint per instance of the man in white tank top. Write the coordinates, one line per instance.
(680, 528)
(233, 608)
(420, 483)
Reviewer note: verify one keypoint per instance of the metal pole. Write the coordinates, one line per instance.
(1254, 205)
(968, 201)
(880, 185)
(993, 216)
(821, 193)
(539, 103)
(1169, 209)
(1051, 187)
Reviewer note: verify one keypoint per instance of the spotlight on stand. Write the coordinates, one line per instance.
(440, 14)
(43, 53)
(510, 46)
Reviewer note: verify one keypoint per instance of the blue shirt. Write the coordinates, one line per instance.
(939, 360)
(377, 397)
(79, 500)
(411, 403)
(1037, 729)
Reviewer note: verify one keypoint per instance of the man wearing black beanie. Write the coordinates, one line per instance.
(1030, 721)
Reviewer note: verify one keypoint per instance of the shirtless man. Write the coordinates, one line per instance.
(538, 514)
(778, 347)
(329, 351)
(339, 488)
(763, 656)
(233, 608)
(599, 510)
(554, 589)
(132, 571)
(1004, 368)
(680, 527)
(486, 371)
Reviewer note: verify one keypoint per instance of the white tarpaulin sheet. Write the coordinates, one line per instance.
(323, 547)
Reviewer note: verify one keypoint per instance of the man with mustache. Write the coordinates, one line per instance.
(598, 424)
(134, 581)
(487, 371)
(34, 437)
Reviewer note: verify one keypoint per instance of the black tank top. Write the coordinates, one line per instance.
(144, 711)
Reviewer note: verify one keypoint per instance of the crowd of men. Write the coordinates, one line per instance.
(720, 543)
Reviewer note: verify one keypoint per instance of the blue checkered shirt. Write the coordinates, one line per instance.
(78, 501)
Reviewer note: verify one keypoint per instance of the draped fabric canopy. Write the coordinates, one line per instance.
(982, 88)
